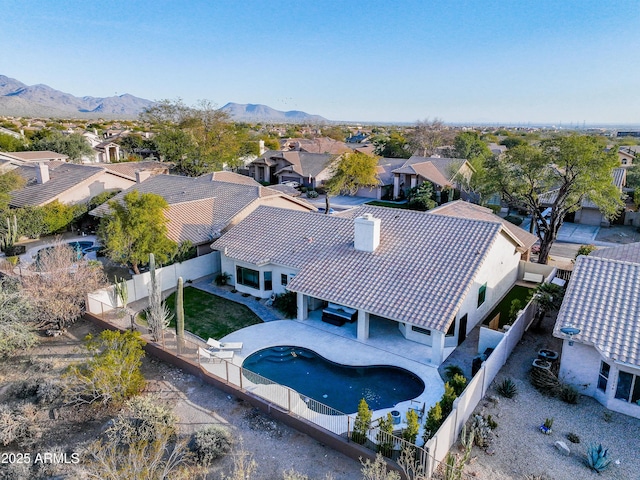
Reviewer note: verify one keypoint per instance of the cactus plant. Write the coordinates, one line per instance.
(180, 314)
(597, 457)
(158, 314)
(507, 388)
(10, 237)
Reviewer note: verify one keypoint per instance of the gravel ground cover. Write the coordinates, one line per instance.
(520, 449)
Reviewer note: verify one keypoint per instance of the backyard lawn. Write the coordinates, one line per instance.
(517, 292)
(382, 203)
(207, 315)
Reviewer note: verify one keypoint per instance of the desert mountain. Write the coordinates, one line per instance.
(262, 113)
(19, 99)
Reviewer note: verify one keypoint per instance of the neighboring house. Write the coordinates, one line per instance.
(443, 173)
(202, 208)
(602, 304)
(434, 276)
(588, 213)
(628, 155)
(6, 131)
(315, 145)
(497, 149)
(308, 169)
(384, 173)
(72, 183)
(21, 158)
(104, 151)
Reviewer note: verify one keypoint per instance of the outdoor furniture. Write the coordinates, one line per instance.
(216, 345)
(338, 314)
(419, 411)
(209, 356)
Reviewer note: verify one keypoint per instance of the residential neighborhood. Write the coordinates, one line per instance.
(290, 241)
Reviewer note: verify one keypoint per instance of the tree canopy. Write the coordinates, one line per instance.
(392, 146)
(198, 139)
(427, 136)
(135, 228)
(74, 145)
(350, 173)
(568, 169)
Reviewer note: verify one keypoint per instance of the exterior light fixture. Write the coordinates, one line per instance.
(570, 331)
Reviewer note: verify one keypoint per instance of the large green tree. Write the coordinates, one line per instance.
(393, 145)
(568, 169)
(135, 228)
(74, 145)
(352, 172)
(9, 181)
(197, 139)
(9, 143)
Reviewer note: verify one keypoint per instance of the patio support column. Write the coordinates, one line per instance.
(303, 306)
(414, 180)
(363, 325)
(437, 347)
(396, 186)
(267, 173)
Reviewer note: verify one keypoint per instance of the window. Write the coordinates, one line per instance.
(284, 279)
(603, 378)
(268, 284)
(248, 277)
(482, 294)
(421, 330)
(452, 329)
(628, 388)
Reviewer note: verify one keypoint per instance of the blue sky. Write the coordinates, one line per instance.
(510, 61)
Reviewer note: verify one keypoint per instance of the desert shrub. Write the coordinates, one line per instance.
(434, 420)
(287, 303)
(481, 429)
(19, 425)
(142, 420)
(222, 279)
(113, 373)
(545, 381)
(451, 370)
(211, 443)
(492, 423)
(458, 383)
(585, 250)
(377, 470)
(598, 457)
(48, 392)
(507, 388)
(573, 438)
(569, 394)
(26, 389)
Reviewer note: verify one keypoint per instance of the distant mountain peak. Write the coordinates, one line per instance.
(255, 112)
(41, 100)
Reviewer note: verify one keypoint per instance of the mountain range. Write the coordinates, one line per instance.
(20, 100)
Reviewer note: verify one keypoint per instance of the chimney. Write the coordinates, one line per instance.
(261, 146)
(142, 175)
(42, 173)
(366, 233)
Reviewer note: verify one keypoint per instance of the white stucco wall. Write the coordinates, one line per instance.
(229, 265)
(499, 272)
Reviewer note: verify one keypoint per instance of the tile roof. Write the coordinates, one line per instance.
(462, 209)
(603, 301)
(128, 169)
(230, 177)
(435, 169)
(318, 145)
(419, 274)
(627, 253)
(62, 177)
(207, 218)
(303, 163)
(36, 156)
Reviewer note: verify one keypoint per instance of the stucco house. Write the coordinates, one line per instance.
(443, 173)
(307, 169)
(588, 213)
(600, 323)
(435, 276)
(203, 208)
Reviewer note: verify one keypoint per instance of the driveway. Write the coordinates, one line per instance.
(340, 202)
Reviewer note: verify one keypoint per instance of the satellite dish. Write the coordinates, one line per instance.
(570, 331)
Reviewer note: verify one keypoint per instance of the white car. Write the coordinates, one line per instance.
(291, 184)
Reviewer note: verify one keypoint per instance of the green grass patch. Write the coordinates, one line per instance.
(382, 203)
(208, 315)
(517, 292)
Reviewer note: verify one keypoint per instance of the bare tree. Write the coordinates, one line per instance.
(58, 284)
(427, 136)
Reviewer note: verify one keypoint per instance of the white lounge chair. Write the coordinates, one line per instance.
(216, 345)
(209, 356)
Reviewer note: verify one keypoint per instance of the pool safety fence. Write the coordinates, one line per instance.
(211, 363)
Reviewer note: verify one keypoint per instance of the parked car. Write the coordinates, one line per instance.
(291, 184)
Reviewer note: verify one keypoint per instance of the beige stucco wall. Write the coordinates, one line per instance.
(94, 186)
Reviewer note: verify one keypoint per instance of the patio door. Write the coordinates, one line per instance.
(462, 329)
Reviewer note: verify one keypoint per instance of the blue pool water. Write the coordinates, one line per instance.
(79, 247)
(336, 385)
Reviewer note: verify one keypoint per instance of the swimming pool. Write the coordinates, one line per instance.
(80, 247)
(338, 386)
